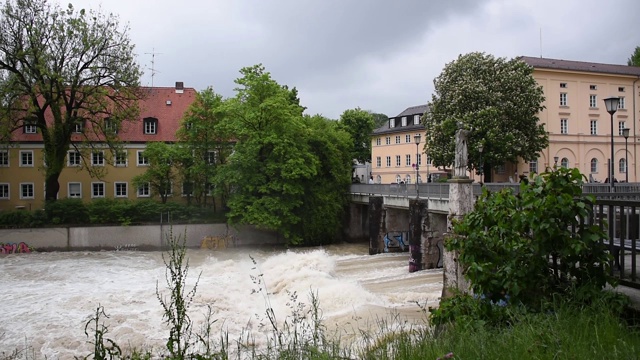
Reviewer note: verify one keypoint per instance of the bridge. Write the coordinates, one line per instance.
(401, 217)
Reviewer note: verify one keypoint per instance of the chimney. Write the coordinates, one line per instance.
(179, 87)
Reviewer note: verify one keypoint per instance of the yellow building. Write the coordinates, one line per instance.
(22, 184)
(578, 123)
(575, 117)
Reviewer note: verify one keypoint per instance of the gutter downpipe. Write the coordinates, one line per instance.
(635, 134)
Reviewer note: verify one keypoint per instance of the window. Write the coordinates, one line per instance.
(4, 191)
(142, 160)
(407, 138)
(211, 157)
(563, 85)
(73, 158)
(429, 160)
(388, 161)
(398, 179)
(416, 119)
(144, 190)
(407, 179)
(594, 165)
(533, 166)
(150, 126)
(404, 121)
(378, 161)
(594, 127)
(26, 158)
(97, 158)
(397, 139)
(398, 163)
(564, 126)
(387, 140)
(188, 125)
(500, 169)
(97, 190)
(563, 99)
(622, 166)
(621, 126)
(120, 189)
(407, 160)
(378, 141)
(78, 127)
(564, 163)
(419, 179)
(621, 102)
(187, 188)
(621, 89)
(378, 179)
(26, 191)
(74, 190)
(29, 127)
(392, 122)
(4, 158)
(593, 87)
(167, 189)
(121, 158)
(110, 126)
(593, 101)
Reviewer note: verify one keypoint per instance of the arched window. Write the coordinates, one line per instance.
(594, 165)
(419, 179)
(564, 163)
(622, 166)
(533, 166)
(398, 179)
(378, 179)
(407, 179)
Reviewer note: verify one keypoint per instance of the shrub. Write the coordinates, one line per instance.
(67, 211)
(506, 243)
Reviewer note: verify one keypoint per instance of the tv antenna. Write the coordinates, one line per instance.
(153, 54)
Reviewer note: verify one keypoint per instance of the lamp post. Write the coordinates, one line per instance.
(480, 148)
(416, 139)
(611, 104)
(625, 133)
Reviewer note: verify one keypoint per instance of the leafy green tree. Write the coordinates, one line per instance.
(634, 60)
(162, 172)
(274, 170)
(203, 135)
(379, 119)
(359, 124)
(497, 99)
(63, 70)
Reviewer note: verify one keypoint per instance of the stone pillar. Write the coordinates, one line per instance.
(377, 226)
(416, 215)
(460, 203)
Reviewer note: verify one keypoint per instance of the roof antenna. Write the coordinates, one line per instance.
(540, 42)
(153, 54)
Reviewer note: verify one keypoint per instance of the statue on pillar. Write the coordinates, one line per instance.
(461, 159)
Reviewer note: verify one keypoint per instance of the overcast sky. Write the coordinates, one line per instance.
(379, 55)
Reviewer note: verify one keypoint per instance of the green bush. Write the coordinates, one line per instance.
(66, 211)
(16, 219)
(506, 243)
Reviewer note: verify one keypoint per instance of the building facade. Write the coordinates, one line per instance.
(578, 123)
(22, 166)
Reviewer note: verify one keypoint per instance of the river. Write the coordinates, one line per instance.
(49, 297)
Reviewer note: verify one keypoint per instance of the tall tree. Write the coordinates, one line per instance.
(277, 170)
(634, 60)
(497, 99)
(204, 135)
(64, 70)
(162, 173)
(359, 124)
(379, 119)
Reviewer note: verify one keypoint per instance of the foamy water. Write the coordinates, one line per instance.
(48, 297)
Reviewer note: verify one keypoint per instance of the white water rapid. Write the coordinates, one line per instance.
(49, 297)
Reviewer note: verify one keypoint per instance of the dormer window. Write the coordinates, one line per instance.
(392, 122)
(416, 119)
(150, 126)
(78, 127)
(29, 127)
(110, 126)
(404, 121)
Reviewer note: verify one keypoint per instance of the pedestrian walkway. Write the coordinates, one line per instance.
(632, 293)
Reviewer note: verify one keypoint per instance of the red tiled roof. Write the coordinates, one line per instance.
(165, 104)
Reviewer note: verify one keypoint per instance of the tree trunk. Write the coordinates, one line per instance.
(52, 186)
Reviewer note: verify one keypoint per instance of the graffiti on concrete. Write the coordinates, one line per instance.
(15, 248)
(127, 247)
(394, 241)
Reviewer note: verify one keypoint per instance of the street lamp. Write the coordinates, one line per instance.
(416, 139)
(625, 133)
(480, 148)
(611, 103)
